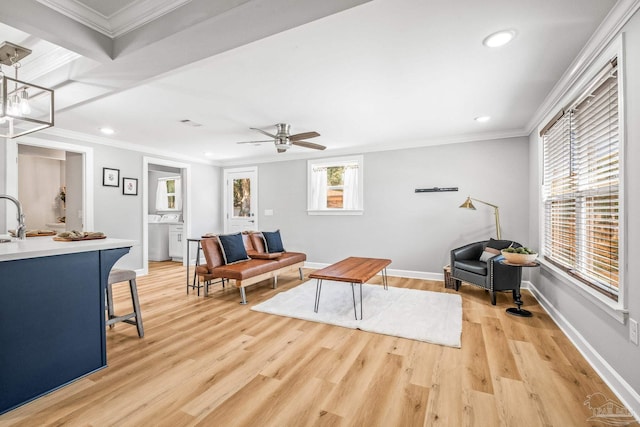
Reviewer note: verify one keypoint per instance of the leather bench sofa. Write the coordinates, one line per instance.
(260, 266)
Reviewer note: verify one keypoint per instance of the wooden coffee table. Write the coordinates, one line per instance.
(352, 270)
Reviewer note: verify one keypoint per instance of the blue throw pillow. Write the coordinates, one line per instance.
(232, 247)
(272, 241)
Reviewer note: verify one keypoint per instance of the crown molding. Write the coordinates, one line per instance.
(93, 139)
(133, 16)
(312, 154)
(608, 29)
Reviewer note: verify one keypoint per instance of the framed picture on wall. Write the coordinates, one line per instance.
(130, 186)
(110, 177)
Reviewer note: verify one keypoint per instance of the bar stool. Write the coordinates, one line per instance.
(116, 276)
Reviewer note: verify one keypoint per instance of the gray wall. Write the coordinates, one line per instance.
(590, 325)
(415, 230)
(121, 216)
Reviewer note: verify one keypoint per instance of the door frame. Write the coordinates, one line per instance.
(185, 172)
(225, 192)
(11, 185)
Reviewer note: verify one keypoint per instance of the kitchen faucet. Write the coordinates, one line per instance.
(21, 231)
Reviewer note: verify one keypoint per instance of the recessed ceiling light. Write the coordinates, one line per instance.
(107, 131)
(482, 119)
(499, 39)
(209, 154)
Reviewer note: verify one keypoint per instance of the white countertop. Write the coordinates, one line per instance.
(35, 247)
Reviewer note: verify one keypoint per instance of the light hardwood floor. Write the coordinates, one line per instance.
(213, 362)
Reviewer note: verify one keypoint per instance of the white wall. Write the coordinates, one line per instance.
(74, 186)
(39, 185)
(415, 230)
(603, 339)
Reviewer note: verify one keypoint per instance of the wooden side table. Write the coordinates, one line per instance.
(449, 283)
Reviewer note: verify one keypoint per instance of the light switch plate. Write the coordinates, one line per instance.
(268, 212)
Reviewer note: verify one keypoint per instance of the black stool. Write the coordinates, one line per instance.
(116, 276)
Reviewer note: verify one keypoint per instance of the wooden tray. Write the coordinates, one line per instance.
(76, 239)
(46, 233)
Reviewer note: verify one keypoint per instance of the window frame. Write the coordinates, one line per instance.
(616, 309)
(164, 180)
(336, 162)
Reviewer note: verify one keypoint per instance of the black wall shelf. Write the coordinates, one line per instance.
(435, 189)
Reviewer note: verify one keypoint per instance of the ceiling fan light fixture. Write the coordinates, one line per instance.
(499, 38)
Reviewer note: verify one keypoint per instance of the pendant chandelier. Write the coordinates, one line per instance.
(24, 107)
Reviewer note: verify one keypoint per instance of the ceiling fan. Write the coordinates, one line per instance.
(283, 140)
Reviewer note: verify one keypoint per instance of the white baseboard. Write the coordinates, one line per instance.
(409, 274)
(627, 395)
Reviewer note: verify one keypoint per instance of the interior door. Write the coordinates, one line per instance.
(241, 199)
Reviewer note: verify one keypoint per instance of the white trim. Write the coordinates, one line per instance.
(617, 310)
(87, 170)
(606, 304)
(337, 161)
(134, 15)
(186, 205)
(336, 212)
(111, 142)
(617, 17)
(225, 192)
(620, 387)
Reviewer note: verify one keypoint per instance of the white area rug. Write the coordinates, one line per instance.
(433, 317)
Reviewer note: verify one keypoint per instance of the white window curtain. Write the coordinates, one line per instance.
(319, 188)
(350, 194)
(162, 195)
(162, 201)
(178, 194)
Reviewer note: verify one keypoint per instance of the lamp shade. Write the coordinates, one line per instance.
(468, 204)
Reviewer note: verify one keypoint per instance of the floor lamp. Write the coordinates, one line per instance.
(468, 204)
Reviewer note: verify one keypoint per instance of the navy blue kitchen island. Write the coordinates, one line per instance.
(52, 321)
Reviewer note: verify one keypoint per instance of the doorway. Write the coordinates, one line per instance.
(177, 209)
(241, 199)
(50, 166)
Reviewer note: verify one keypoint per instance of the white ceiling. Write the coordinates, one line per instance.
(381, 74)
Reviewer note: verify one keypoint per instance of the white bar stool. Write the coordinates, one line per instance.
(117, 276)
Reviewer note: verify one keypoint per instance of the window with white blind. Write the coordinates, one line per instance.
(581, 187)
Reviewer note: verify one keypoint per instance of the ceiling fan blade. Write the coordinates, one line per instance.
(263, 132)
(306, 135)
(308, 144)
(254, 142)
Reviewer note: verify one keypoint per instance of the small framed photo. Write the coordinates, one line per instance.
(110, 177)
(130, 186)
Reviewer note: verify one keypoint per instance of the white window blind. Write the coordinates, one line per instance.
(581, 185)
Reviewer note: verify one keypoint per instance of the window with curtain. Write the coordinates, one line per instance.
(169, 194)
(581, 186)
(335, 186)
